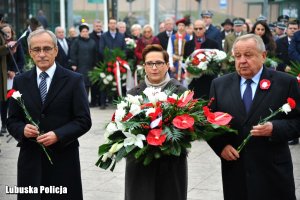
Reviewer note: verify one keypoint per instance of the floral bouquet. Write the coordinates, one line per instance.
(111, 73)
(18, 97)
(130, 43)
(286, 108)
(295, 70)
(205, 61)
(157, 124)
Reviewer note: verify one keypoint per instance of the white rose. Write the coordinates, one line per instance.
(286, 108)
(16, 95)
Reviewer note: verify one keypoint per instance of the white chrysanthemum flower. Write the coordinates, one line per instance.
(134, 99)
(221, 55)
(114, 83)
(135, 109)
(110, 77)
(119, 115)
(105, 81)
(122, 105)
(102, 75)
(162, 96)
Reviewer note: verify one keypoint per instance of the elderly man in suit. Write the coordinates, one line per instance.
(200, 85)
(263, 169)
(63, 44)
(55, 98)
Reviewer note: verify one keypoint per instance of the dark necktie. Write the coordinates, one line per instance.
(43, 86)
(247, 96)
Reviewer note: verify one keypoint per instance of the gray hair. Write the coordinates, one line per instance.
(40, 32)
(136, 26)
(148, 26)
(260, 46)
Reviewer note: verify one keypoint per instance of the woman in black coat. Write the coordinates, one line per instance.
(83, 54)
(164, 178)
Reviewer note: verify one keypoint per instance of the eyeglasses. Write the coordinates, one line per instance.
(196, 29)
(157, 64)
(39, 50)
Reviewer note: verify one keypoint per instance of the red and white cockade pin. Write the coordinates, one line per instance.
(264, 84)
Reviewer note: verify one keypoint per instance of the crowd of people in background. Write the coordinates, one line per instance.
(81, 49)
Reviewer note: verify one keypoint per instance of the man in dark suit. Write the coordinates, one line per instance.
(63, 44)
(165, 38)
(263, 169)
(282, 46)
(111, 39)
(55, 98)
(200, 85)
(95, 35)
(211, 31)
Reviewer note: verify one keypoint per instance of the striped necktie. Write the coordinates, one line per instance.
(43, 86)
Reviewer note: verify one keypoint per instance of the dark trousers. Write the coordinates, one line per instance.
(4, 108)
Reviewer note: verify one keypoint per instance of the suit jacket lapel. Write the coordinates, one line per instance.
(236, 94)
(260, 94)
(32, 88)
(57, 84)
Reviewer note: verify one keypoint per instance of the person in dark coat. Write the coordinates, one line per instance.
(63, 44)
(95, 35)
(200, 85)
(111, 39)
(62, 117)
(294, 48)
(211, 31)
(164, 178)
(83, 54)
(282, 49)
(15, 64)
(263, 169)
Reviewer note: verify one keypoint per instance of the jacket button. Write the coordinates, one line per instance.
(43, 116)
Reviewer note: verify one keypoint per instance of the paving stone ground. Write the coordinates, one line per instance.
(204, 176)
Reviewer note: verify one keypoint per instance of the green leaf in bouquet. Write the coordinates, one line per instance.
(116, 136)
(102, 164)
(176, 149)
(121, 154)
(141, 152)
(148, 159)
(157, 155)
(173, 134)
(129, 148)
(113, 166)
(104, 148)
(295, 68)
